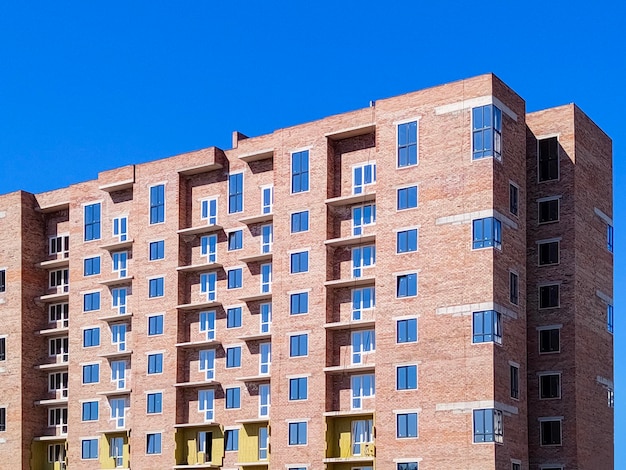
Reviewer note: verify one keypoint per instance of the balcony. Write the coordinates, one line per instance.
(256, 297)
(51, 402)
(255, 378)
(206, 383)
(256, 258)
(351, 199)
(207, 453)
(199, 305)
(351, 282)
(116, 354)
(53, 366)
(198, 267)
(118, 245)
(351, 240)
(199, 230)
(58, 331)
(257, 155)
(257, 219)
(198, 344)
(118, 281)
(54, 263)
(255, 337)
(116, 317)
(55, 297)
(350, 439)
(350, 368)
(348, 325)
(349, 132)
(115, 393)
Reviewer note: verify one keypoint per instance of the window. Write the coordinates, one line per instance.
(231, 438)
(92, 222)
(155, 363)
(91, 373)
(119, 299)
(362, 386)
(609, 318)
(267, 199)
(233, 398)
(363, 299)
(233, 317)
(59, 245)
(488, 425)
(516, 466)
(207, 324)
(157, 204)
(116, 451)
(513, 288)
(208, 282)
(550, 430)
(407, 198)
(120, 262)
(156, 287)
(155, 325)
(235, 280)
(157, 250)
(206, 363)
(407, 466)
(298, 345)
(233, 357)
(267, 238)
(3, 419)
(610, 396)
(208, 210)
(297, 434)
(154, 403)
(549, 340)
(487, 327)
(265, 317)
(235, 240)
(90, 411)
(363, 342)
(120, 228)
(487, 232)
(91, 266)
(265, 358)
(363, 175)
(91, 301)
(264, 400)
(406, 425)
(549, 211)
(118, 374)
(299, 303)
(406, 285)
(91, 337)
(362, 434)
(407, 144)
(486, 132)
(118, 336)
(57, 383)
(3, 280)
(513, 199)
(406, 377)
(300, 171)
(299, 262)
(298, 388)
(3, 349)
(514, 371)
(609, 238)
(362, 257)
(406, 330)
(300, 221)
(235, 193)
(89, 449)
(60, 279)
(59, 313)
(549, 386)
(406, 241)
(153, 443)
(208, 248)
(363, 216)
(548, 159)
(206, 400)
(59, 349)
(548, 253)
(549, 296)
(263, 442)
(266, 278)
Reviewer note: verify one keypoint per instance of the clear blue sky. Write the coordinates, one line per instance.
(88, 86)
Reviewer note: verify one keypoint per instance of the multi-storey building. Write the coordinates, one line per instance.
(424, 283)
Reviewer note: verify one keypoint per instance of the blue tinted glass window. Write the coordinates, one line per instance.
(156, 287)
(487, 327)
(92, 222)
(91, 337)
(235, 193)
(406, 377)
(407, 144)
(90, 411)
(235, 240)
(486, 233)
(406, 425)
(233, 317)
(153, 443)
(157, 204)
(235, 278)
(299, 345)
(299, 221)
(299, 303)
(297, 434)
(406, 241)
(298, 388)
(233, 398)
(299, 262)
(92, 266)
(157, 250)
(154, 403)
(300, 171)
(406, 285)
(91, 373)
(155, 325)
(407, 197)
(231, 438)
(155, 363)
(91, 301)
(233, 357)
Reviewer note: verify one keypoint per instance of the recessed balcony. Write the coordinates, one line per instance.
(350, 368)
(199, 267)
(256, 258)
(351, 199)
(257, 155)
(255, 378)
(118, 281)
(349, 132)
(257, 219)
(116, 317)
(349, 325)
(118, 245)
(198, 344)
(201, 229)
(351, 240)
(54, 263)
(206, 383)
(351, 282)
(199, 305)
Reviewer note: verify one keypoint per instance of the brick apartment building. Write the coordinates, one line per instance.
(423, 283)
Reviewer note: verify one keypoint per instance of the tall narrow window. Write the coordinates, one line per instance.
(120, 228)
(92, 222)
(208, 248)
(487, 132)
(265, 359)
(362, 434)
(206, 363)
(266, 238)
(119, 300)
(362, 386)
(3, 280)
(266, 317)
(363, 299)
(267, 199)
(208, 285)
(407, 144)
(514, 375)
(120, 261)
(157, 204)
(263, 443)
(513, 199)
(513, 288)
(548, 159)
(208, 210)
(206, 399)
(3, 349)
(300, 171)
(609, 318)
(235, 193)
(609, 238)
(266, 278)
(207, 324)
(363, 343)
(264, 400)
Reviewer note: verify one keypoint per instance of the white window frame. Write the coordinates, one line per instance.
(211, 219)
(363, 185)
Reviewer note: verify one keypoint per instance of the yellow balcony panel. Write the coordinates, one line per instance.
(54, 263)
(53, 331)
(256, 258)
(255, 337)
(198, 267)
(53, 366)
(348, 325)
(351, 199)
(256, 297)
(349, 368)
(255, 378)
(56, 297)
(117, 245)
(257, 155)
(198, 344)
(117, 281)
(207, 383)
(52, 401)
(116, 317)
(200, 229)
(199, 305)
(351, 240)
(354, 131)
(116, 354)
(113, 393)
(351, 282)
